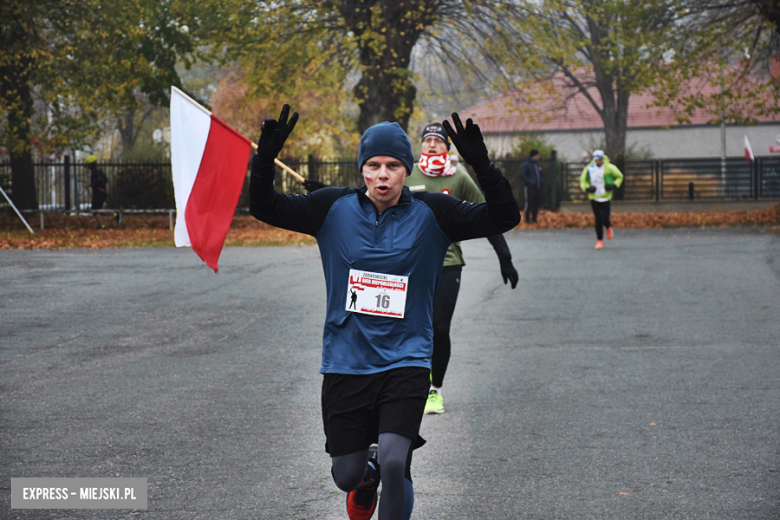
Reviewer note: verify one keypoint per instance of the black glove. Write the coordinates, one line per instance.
(468, 141)
(591, 189)
(609, 187)
(273, 135)
(509, 272)
(310, 185)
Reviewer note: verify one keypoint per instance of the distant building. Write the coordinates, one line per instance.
(574, 128)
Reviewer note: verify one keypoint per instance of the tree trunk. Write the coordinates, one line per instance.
(614, 101)
(126, 126)
(384, 97)
(615, 127)
(385, 91)
(770, 9)
(614, 113)
(23, 191)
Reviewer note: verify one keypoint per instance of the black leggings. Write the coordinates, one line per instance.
(533, 198)
(601, 211)
(395, 460)
(443, 307)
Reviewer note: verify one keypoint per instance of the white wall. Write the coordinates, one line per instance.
(674, 143)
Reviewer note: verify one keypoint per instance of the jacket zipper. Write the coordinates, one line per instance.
(376, 229)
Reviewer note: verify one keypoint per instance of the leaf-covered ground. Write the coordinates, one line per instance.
(62, 232)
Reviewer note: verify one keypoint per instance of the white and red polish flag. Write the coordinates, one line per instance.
(209, 162)
(748, 150)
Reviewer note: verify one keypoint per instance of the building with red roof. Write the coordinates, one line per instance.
(569, 122)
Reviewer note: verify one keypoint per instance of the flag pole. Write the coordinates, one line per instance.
(17, 211)
(284, 167)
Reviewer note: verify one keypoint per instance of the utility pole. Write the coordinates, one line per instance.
(722, 125)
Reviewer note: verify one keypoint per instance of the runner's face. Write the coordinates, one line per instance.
(599, 162)
(384, 176)
(434, 145)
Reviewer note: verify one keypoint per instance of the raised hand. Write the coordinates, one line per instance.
(273, 135)
(468, 140)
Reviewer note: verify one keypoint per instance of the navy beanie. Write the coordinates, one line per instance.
(437, 130)
(386, 139)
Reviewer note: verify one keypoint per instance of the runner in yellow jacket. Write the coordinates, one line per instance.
(599, 179)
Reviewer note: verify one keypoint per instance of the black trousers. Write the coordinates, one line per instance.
(533, 198)
(601, 210)
(443, 307)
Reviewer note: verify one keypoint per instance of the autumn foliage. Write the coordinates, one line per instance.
(769, 217)
(63, 232)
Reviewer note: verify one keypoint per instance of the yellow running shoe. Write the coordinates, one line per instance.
(435, 403)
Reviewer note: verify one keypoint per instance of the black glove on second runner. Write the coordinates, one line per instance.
(468, 141)
(273, 135)
(609, 187)
(508, 272)
(591, 189)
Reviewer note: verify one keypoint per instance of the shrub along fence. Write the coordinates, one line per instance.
(64, 186)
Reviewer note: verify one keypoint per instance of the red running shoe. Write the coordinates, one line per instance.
(609, 233)
(600, 244)
(361, 503)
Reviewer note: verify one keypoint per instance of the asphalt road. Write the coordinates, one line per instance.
(638, 382)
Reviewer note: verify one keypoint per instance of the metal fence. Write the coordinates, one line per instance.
(148, 186)
(346, 173)
(65, 185)
(692, 179)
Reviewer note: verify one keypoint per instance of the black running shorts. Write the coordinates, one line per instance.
(357, 408)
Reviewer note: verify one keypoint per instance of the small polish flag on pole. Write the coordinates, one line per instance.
(748, 150)
(209, 162)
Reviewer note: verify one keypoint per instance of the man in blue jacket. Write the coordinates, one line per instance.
(387, 246)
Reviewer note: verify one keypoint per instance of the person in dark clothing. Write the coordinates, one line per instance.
(391, 243)
(97, 182)
(532, 175)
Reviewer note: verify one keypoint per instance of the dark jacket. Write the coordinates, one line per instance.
(98, 180)
(531, 172)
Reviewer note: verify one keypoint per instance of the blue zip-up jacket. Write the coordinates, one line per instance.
(408, 239)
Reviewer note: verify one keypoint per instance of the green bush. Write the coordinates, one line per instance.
(142, 186)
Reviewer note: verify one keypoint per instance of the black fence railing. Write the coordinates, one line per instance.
(692, 179)
(65, 186)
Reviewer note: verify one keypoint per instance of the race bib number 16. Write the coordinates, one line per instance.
(377, 294)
